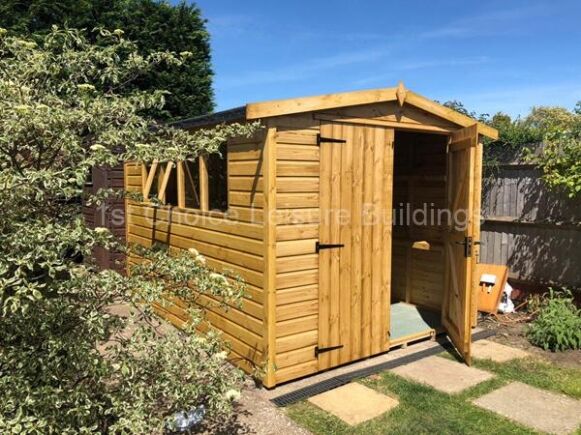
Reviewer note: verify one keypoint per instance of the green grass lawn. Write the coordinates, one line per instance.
(538, 374)
(425, 410)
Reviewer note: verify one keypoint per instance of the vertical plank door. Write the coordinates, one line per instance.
(355, 219)
(476, 233)
(456, 312)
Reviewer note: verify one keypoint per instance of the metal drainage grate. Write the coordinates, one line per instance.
(338, 381)
(311, 390)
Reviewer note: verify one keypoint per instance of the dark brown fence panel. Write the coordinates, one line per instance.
(110, 214)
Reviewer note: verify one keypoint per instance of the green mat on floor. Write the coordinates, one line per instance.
(408, 319)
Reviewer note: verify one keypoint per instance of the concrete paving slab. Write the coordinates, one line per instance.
(443, 374)
(348, 368)
(351, 367)
(354, 403)
(538, 409)
(486, 349)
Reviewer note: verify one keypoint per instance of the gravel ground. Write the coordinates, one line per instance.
(261, 416)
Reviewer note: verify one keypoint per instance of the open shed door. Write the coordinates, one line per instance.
(459, 242)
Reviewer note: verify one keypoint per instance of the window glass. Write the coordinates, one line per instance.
(218, 179)
(171, 191)
(192, 179)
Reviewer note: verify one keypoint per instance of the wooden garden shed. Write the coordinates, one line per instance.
(316, 214)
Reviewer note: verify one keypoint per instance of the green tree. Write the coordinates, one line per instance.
(557, 127)
(560, 156)
(459, 107)
(550, 118)
(153, 25)
(514, 132)
(70, 362)
(500, 120)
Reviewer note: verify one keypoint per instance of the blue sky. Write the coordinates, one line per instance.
(491, 55)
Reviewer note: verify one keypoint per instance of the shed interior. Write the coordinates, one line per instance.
(419, 191)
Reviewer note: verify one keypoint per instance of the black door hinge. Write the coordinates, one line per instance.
(321, 139)
(319, 350)
(319, 246)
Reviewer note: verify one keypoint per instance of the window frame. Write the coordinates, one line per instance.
(164, 168)
(226, 158)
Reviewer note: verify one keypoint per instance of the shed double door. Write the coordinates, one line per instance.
(356, 178)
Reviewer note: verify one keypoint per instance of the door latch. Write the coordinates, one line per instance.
(468, 244)
(319, 246)
(322, 139)
(319, 350)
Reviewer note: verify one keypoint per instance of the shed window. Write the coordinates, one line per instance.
(192, 184)
(199, 184)
(217, 165)
(171, 190)
(153, 188)
(161, 183)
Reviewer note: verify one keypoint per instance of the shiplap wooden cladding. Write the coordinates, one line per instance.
(306, 309)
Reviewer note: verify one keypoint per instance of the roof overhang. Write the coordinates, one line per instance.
(403, 96)
(224, 116)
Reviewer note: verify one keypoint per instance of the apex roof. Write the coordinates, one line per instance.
(290, 106)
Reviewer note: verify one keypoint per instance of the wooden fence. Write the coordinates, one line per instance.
(535, 231)
(110, 214)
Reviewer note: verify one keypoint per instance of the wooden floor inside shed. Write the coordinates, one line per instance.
(410, 323)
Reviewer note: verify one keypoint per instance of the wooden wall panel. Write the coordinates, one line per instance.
(399, 269)
(231, 242)
(427, 277)
(297, 230)
(132, 171)
(245, 181)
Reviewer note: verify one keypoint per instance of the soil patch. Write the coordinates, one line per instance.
(511, 330)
